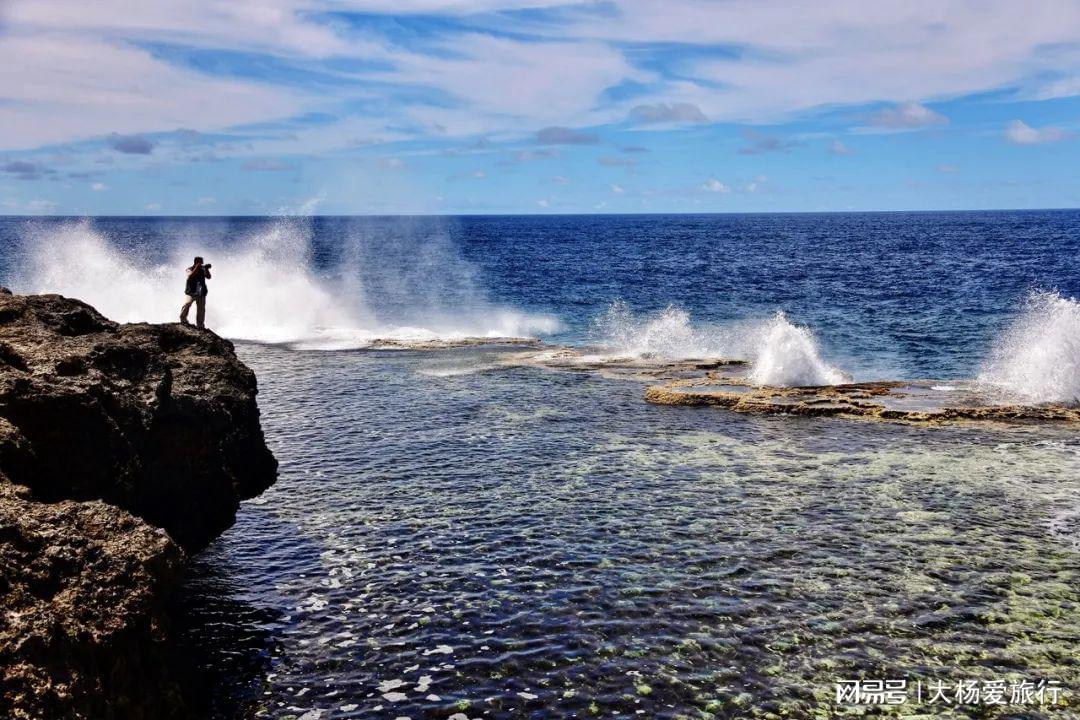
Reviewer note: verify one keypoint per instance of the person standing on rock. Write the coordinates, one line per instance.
(195, 292)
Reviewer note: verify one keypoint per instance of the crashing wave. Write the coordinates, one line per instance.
(786, 355)
(666, 334)
(1037, 358)
(267, 289)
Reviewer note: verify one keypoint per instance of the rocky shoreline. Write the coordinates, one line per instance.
(123, 448)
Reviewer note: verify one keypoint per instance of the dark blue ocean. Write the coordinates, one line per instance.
(455, 537)
(886, 294)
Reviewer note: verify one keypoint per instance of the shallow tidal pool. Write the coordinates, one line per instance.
(527, 543)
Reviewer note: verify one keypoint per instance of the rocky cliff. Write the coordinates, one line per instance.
(121, 447)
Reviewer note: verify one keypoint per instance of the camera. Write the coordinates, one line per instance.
(207, 266)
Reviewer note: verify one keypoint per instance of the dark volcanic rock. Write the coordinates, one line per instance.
(83, 587)
(119, 444)
(158, 419)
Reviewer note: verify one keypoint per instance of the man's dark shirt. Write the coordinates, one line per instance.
(196, 283)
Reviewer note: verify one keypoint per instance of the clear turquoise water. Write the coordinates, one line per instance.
(547, 545)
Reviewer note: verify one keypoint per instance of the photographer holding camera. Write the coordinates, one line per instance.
(195, 292)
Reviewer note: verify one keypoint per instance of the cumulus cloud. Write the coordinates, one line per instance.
(678, 113)
(906, 116)
(715, 186)
(617, 189)
(557, 135)
(1019, 132)
(760, 144)
(99, 186)
(837, 147)
(756, 184)
(130, 144)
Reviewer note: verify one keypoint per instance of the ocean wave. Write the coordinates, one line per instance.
(267, 288)
(1037, 358)
(786, 355)
(667, 334)
(781, 354)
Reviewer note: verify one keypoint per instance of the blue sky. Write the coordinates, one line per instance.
(519, 106)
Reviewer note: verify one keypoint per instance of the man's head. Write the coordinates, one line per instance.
(198, 260)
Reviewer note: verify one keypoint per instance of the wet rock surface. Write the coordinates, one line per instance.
(121, 447)
(899, 401)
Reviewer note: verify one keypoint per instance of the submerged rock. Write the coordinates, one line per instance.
(900, 401)
(119, 445)
(609, 363)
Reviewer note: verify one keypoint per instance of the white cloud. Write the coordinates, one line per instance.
(617, 189)
(715, 186)
(99, 186)
(906, 116)
(948, 168)
(759, 144)
(837, 147)
(756, 184)
(70, 73)
(844, 52)
(57, 89)
(1019, 132)
(554, 83)
(557, 135)
(206, 201)
(677, 113)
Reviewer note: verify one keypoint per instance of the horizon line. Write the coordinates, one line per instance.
(5, 216)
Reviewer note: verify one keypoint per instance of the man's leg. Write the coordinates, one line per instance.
(185, 307)
(200, 310)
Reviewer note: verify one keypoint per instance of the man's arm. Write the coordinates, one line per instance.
(206, 272)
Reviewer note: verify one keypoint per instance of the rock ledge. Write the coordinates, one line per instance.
(122, 447)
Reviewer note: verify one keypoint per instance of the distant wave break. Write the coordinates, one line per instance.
(266, 288)
(1037, 358)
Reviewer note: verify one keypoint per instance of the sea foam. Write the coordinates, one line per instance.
(786, 355)
(266, 287)
(1037, 358)
(667, 334)
(781, 354)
